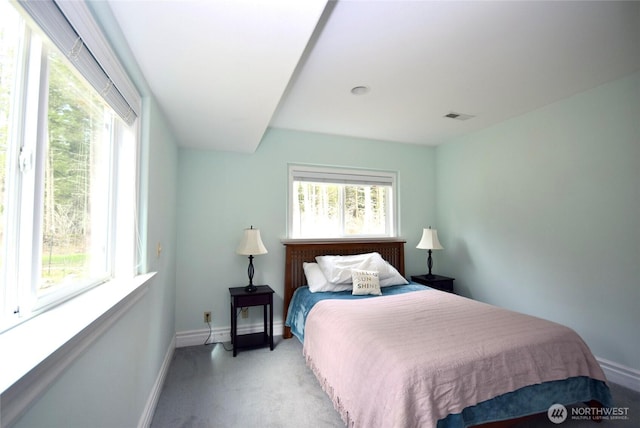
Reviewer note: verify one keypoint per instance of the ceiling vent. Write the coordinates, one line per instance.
(458, 116)
(360, 90)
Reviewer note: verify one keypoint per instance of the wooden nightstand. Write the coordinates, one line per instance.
(438, 282)
(263, 296)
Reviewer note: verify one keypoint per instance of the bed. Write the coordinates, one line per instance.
(418, 357)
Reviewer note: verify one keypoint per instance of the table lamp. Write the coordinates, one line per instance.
(429, 242)
(251, 245)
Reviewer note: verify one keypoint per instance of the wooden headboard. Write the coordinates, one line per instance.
(298, 252)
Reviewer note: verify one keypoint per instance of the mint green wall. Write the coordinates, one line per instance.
(541, 214)
(110, 383)
(221, 193)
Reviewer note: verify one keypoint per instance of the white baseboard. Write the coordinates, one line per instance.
(621, 375)
(221, 334)
(152, 401)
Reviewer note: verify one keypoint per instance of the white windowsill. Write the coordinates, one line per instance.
(29, 344)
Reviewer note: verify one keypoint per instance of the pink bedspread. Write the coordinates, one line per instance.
(409, 360)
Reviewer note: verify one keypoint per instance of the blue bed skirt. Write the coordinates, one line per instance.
(531, 400)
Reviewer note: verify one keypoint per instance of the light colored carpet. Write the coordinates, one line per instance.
(207, 387)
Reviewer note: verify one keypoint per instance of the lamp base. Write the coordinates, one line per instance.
(250, 288)
(429, 265)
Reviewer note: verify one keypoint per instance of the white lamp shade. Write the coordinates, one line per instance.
(429, 240)
(251, 243)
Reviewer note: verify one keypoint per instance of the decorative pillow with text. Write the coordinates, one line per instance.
(365, 282)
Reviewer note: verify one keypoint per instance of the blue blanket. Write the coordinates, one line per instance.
(303, 300)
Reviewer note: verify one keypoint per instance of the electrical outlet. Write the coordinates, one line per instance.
(245, 312)
(207, 317)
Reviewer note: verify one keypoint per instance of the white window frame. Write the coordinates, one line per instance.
(100, 65)
(344, 175)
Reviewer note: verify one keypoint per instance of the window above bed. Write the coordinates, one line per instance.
(341, 203)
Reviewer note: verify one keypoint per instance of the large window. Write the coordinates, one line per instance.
(341, 203)
(67, 161)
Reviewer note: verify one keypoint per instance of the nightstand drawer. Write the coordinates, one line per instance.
(258, 300)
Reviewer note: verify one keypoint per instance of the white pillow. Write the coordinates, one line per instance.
(337, 269)
(393, 278)
(317, 281)
(365, 282)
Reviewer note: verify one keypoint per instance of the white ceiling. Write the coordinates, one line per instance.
(225, 70)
